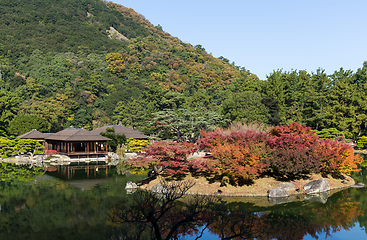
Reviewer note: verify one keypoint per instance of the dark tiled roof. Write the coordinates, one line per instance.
(76, 135)
(129, 133)
(34, 134)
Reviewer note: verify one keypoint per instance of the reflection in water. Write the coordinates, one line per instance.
(68, 172)
(168, 219)
(53, 206)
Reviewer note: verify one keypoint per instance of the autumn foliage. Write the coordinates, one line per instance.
(238, 156)
(297, 149)
(171, 156)
(337, 156)
(292, 150)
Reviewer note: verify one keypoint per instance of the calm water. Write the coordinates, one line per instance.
(78, 202)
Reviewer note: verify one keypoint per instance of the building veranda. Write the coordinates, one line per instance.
(73, 142)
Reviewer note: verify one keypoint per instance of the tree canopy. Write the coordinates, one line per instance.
(67, 68)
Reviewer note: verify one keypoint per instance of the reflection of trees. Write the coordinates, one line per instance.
(289, 222)
(161, 215)
(52, 209)
(234, 225)
(152, 216)
(360, 195)
(12, 172)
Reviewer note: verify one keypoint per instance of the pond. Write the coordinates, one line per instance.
(81, 201)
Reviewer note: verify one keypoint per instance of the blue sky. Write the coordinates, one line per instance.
(266, 35)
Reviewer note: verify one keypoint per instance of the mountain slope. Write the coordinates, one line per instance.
(62, 26)
(59, 59)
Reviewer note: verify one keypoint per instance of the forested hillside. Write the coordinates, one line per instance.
(61, 66)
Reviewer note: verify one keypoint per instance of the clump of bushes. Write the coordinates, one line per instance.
(171, 156)
(19, 146)
(136, 145)
(287, 150)
(296, 149)
(237, 155)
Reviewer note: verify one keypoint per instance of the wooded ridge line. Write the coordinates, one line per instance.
(59, 68)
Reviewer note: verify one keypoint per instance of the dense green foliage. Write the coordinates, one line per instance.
(64, 67)
(320, 101)
(19, 146)
(23, 123)
(116, 139)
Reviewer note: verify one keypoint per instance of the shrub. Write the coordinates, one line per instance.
(136, 145)
(239, 155)
(243, 155)
(171, 156)
(293, 161)
(19, 146)
(362, 142)
(285, 136)
(50, 152)
(337, 156)
(292, 150)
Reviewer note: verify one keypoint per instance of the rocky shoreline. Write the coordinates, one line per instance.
(321, 189)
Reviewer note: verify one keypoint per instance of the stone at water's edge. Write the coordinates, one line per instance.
(131, 185)
(277, 192)
(358, 185)
(317, 186)
(286, 185)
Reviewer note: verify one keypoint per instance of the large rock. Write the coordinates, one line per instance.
(277, 192)
(159, 188)
(131, 185)
(112, 158)
(317, 186)
(286, 185)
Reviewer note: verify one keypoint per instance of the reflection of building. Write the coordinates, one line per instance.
(68, 172)
(128, 132)
(73, 142)
(83, 177)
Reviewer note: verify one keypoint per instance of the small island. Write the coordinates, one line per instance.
(248, 163)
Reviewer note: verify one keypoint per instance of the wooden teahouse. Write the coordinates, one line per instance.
(77, 143)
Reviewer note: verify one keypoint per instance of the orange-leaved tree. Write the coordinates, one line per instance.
(238, 154)
(337, 156)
